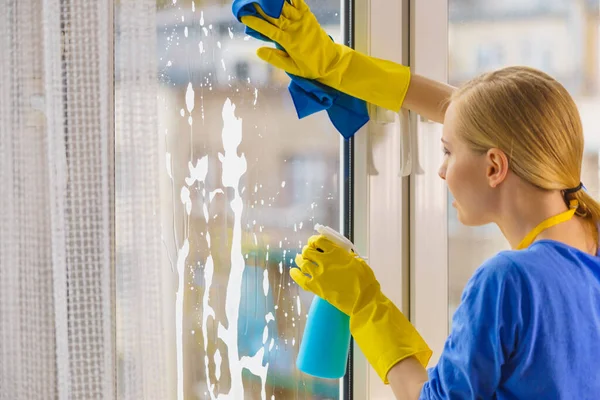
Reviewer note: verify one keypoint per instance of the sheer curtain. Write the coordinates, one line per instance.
(56, 200)
(143, 330)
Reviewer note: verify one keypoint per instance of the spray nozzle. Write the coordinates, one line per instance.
(337, 238)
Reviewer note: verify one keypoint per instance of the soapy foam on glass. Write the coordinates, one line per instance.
(233, 168)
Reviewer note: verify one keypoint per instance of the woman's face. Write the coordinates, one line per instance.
(468, 176)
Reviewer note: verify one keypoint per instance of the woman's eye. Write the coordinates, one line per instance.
(446, 151)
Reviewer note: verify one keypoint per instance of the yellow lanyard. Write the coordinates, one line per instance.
(555, 220)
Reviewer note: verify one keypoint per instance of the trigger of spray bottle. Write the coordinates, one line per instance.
(325, 345)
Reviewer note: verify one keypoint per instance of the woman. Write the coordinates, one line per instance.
(528, 325)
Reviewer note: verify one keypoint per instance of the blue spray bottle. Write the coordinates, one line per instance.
(325, 345)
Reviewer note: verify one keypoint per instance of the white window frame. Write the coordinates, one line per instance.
(381, 206)
(429, 212)
(400, 203)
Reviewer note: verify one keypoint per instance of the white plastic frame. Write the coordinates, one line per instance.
(400, 222)
(429, 214)
(381, 208)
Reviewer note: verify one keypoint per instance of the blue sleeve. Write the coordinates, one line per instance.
(485, 329)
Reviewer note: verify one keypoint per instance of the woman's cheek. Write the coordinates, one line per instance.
(451, 179)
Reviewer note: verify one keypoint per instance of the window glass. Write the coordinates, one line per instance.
(243, 182)
(559, 37)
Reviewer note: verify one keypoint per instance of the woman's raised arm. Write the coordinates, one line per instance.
(428, 98)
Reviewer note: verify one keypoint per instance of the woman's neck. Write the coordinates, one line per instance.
(520, 215)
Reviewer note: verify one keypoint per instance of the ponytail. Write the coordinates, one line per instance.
(589, 209)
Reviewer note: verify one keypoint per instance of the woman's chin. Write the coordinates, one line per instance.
(469, 220)
(463, 219)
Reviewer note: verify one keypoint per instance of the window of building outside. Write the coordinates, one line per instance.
(243, 182)
(477, 27)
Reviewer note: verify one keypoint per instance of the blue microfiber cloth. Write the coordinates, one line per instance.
(348, 114)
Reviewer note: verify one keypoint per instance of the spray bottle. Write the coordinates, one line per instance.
(326, 342)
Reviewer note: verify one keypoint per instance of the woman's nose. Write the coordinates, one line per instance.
(442, 172)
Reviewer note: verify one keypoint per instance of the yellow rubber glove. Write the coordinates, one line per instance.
(310, 53)
(382, 332)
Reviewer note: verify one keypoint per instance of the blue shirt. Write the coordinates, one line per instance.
(528, 327)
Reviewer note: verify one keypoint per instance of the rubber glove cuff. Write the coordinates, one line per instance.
(385, 335)
(380, 82)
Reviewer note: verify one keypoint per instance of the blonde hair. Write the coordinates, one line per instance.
(532, 118)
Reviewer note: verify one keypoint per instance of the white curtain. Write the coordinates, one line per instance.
(57, 284)
(142, 330)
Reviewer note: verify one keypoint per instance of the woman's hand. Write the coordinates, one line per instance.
(383, 333)
(309, 51)
(334, 274)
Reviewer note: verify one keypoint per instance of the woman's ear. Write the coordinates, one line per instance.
(497, 167)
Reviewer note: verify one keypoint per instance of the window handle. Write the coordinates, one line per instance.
(406, 148)
(383, 116)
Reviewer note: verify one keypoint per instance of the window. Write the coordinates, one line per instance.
(489, 56)
(232, 150)
(309, 175)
